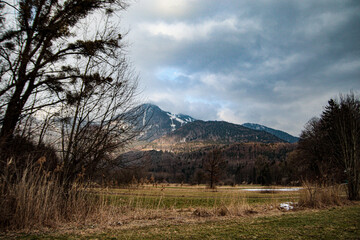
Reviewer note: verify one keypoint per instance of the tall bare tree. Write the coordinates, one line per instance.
(38, 46)
(214, 165)
(52, 61)
(98, 125)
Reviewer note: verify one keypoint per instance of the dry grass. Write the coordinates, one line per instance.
(36, 199)
(319, 195)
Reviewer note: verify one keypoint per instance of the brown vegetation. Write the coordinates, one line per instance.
(35, 198)
(319, 196)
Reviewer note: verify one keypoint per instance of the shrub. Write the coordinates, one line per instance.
(319, 195)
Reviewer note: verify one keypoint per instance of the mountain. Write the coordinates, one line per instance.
(280, 134)
(157, 123)
(169, 128)
(216, 131)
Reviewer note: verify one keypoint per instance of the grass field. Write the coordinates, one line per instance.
(178, 197)
(195, 212)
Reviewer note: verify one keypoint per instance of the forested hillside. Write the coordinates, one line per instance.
(256, 163)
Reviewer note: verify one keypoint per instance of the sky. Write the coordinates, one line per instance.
(271, 62)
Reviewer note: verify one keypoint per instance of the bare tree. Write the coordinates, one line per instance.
(213, 165)
(314, 156)
(76, 76)
(97, 126)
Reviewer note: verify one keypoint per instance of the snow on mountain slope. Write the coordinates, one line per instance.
(157, 122)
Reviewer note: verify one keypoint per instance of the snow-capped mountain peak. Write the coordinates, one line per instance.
(157, 122)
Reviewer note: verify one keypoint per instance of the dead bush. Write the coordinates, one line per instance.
(223, 211)
(319, 195)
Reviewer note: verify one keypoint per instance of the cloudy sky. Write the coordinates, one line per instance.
(275, 63)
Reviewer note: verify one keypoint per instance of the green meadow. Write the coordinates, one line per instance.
(178, 197)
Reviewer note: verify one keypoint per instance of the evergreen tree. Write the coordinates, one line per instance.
(331, 144)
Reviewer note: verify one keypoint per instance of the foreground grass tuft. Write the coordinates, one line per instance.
(319, 196)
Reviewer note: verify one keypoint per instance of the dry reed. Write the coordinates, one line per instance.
(36, 199)
(319, 195)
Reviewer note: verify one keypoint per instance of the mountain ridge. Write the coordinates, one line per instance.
(216, 131)
(156, 124)
(280, 134)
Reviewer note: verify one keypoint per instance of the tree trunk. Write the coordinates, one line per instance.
(353, 188)
(11, 118)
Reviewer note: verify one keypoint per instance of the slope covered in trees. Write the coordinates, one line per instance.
(280, 134)
(216, 132)
(241, 163)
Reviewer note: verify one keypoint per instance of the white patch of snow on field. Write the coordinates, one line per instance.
(287, 206)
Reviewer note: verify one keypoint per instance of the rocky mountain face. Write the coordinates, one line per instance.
(280, 134)
(156, 123)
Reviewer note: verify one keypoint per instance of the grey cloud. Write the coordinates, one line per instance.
(270, 62)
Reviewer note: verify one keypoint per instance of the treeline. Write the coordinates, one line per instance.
(256, 163)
